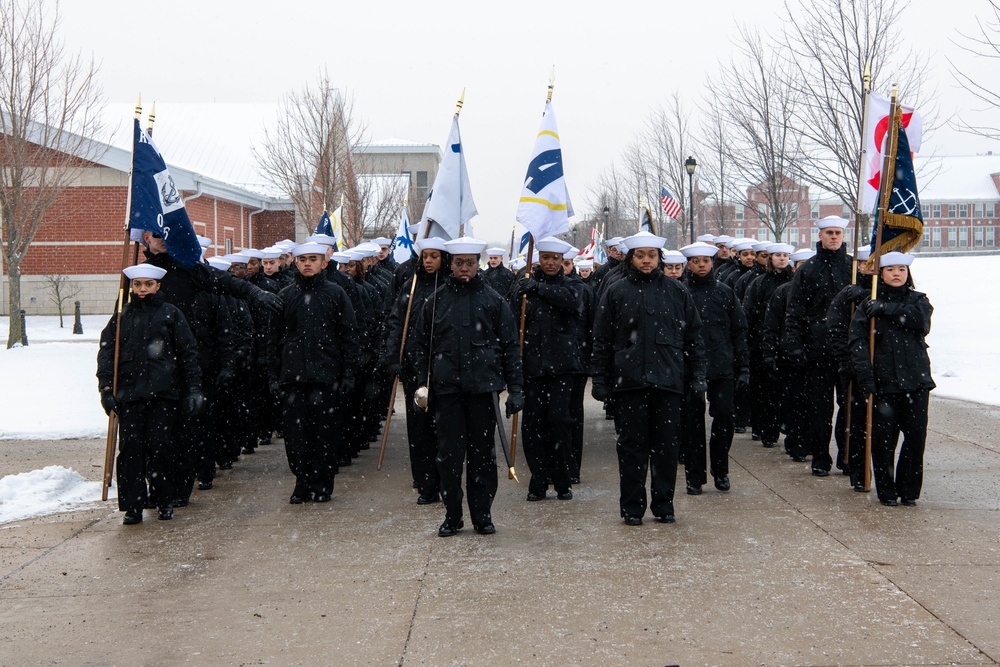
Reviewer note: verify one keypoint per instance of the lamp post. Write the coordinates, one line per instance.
(690, 165)
(607, 212)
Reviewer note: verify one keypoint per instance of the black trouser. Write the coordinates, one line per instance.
(189, 435)
(312, 415)
(741, 407)
(423, 445)
(767, 413)
(260, 405)
(576, 414)
(465, 425)
(891, 415)
(856, 443)
(211, 449)
(720, 408)
(235, 431)
(547, 431)
(794, 419)
(759, 382)
(648, 425)
(821, 382)
(144, 453)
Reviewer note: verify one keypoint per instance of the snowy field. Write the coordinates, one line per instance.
(48, 390)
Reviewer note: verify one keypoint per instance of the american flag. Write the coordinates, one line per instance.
(670, 205)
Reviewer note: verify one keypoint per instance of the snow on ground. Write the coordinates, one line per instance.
(47, 491)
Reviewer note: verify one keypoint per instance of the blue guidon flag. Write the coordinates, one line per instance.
(156, 205)
(904, 224)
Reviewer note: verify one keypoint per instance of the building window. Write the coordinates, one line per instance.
(229, 246)
(977, 235)
(739, 212)
(422, 185)
(952, 210)
(814, 212)
(989, 237)
(793, 235)
(963, 210)
(952, 238)
(936, 211)
(738, 233)
(846, 213)
(815, 236)
(927, 237)
(979, 210)
(988, 210)
(936, 237)
(963, 237)
(761, 212)
(924, 211)
(793, 211)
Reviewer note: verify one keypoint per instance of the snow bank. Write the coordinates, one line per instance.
(46, 491)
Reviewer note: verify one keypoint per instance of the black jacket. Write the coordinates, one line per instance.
(500, 279)
(246, 344)
(212, 327)
(585, 295)
(901, 361)
(744, 282)
(771, 337)
(723, 326)
(473, 345)
(553, 326)
(755, 301)
(838, 318)
(597, 277)
(158, 352)
(410, 374)
(815, 284)
(315, 337)
(647, 334)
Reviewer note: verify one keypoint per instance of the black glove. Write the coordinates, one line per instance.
(225, 377)
(846, 373)
(515, 400)
(530, 286)
(270, 301)
(347, 384)
(742, 380)
(194, 402)
(108, 401)
(699, 386)
(866, 386)
(275, 389)
(857, 292)
(797, 356)
(390, 367)
(600, 391)
(874, 308)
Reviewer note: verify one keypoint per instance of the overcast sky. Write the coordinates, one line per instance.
(405, 64)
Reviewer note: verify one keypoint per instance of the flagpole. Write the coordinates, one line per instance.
(524, 302)
(889, 162)
(458, 110)
(510, 253)
(111, 441)
(866, 87)
(395, 380)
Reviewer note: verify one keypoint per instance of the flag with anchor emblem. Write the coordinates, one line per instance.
(402, 245)
(545, 208)
(904, 225)
(155, 203)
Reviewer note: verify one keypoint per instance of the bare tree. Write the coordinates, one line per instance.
(758, 106)
(715, 171)
(380, 201)
(50, 110)
(307, 153)
(670, 137)
(610, 192)
(826, 45)
(984, 43)
(60, 291)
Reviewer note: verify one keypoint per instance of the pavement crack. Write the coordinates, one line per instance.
(46, 552)
(416, 605)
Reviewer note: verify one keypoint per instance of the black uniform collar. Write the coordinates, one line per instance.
(310, 282)
(698, 281)
(637, 276)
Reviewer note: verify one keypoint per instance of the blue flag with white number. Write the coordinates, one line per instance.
(545, 208)
(156, 204)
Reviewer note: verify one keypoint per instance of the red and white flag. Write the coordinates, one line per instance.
(876, 131)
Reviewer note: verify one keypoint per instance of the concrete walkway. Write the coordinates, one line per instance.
(786, 569)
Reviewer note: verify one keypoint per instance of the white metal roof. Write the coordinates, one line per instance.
(957, 178)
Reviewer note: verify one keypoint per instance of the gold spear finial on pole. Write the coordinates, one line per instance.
(152, 117)
(552, 83)
(460, 103)
(138, 107)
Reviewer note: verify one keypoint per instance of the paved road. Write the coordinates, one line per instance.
(786, 569)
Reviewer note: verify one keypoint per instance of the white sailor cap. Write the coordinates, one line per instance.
(251, 252)
(831, 221)
(802, 254)
(739, 245)
(381, 241)
(310, 248)
(342, 257)
(236, 258)
(465, 245)
(219, 263)
(571, 253)
(613, 241)
(323, 239)
(705, 238)
(761, 247)
(895, 259)
(368, 249)
(145, 271)
(272, 252)
(552, 244)
(725, 239)
(430, 244)
(864, 252)
(644, 240)
(493, 252)
(585, 264)
(781, 247)
(204, 241)
(699, 249)
(674, 257)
